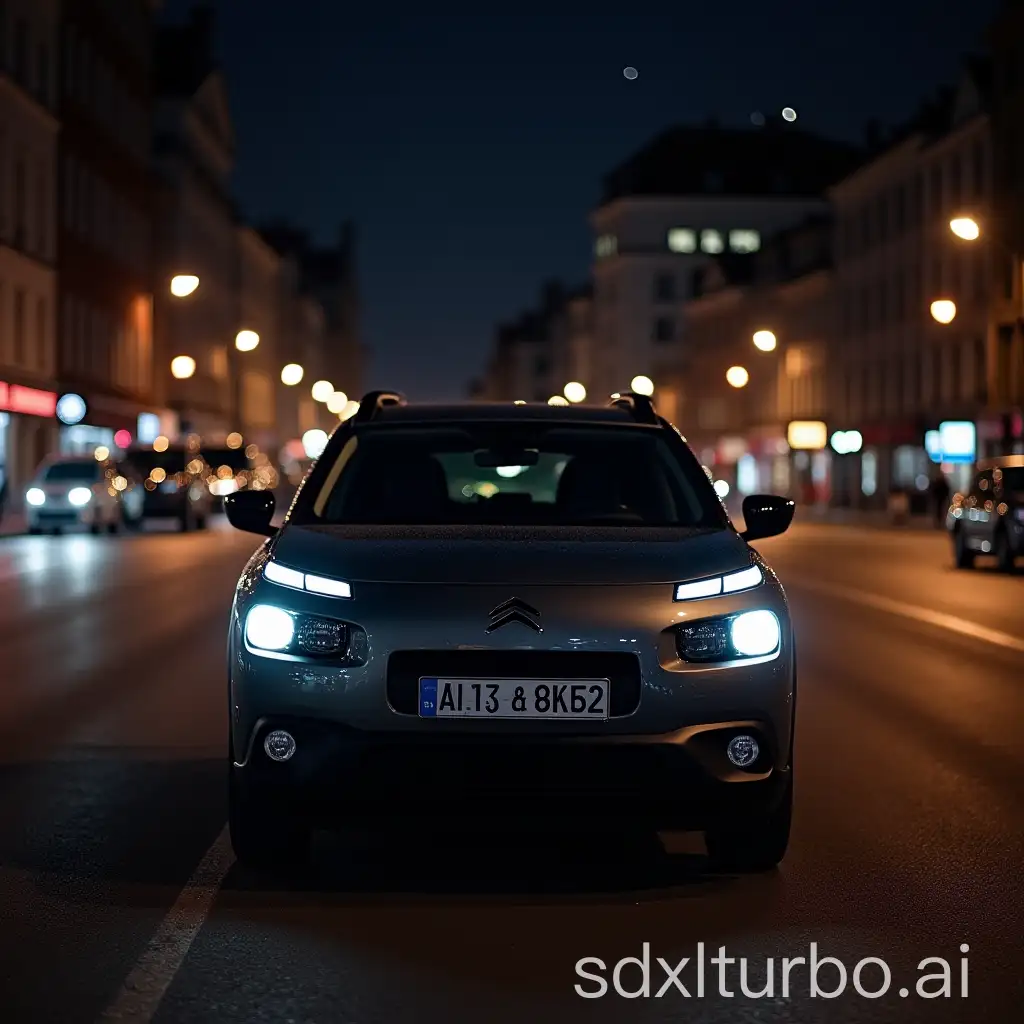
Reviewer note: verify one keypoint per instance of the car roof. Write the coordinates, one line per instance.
(502, 412)
(1002, 462)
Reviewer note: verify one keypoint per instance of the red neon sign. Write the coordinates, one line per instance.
(30, 401)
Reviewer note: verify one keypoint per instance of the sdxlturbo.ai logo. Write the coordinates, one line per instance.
(820, 977)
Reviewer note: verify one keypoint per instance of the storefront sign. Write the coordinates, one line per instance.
(71, 409)
(933, 445)
(28, 401)
(807, 435)
(958, 441)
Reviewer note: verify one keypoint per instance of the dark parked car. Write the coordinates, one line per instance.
(989, 518)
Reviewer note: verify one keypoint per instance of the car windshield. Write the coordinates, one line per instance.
(72, 472)
(510, 475)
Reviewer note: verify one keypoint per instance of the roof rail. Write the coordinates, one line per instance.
(640, 407)
(372, 402)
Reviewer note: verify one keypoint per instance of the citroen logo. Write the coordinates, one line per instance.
(515, 610)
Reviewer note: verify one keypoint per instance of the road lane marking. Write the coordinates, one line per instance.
(950, 623)
(148, 981)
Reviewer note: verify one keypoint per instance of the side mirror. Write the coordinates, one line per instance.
(251, 511)
(766, 515)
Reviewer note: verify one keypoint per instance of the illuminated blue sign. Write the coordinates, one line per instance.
(958, 441)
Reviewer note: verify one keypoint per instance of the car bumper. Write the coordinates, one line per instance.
(51, 519)
(680, 780)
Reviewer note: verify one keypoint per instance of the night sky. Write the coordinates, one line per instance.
(469, 149)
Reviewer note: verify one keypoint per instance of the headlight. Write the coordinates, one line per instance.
(35, 496)
(285, 577)
(268, 628)
(733, 583)
(755, 634)
(79, 496)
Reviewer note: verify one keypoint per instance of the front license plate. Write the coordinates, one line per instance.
(513, 698)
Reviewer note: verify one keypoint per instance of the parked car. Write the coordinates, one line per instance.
(989, 518)
(174, 485)
(81, 491)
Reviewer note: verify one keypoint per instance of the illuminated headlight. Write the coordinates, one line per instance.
(35, 496)
(268, 628)
(733, 583)
(755, 634)
(79, 496)
(285, 577)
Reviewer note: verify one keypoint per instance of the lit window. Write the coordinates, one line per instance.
(744, 241)
(682, 240)
(711, 241)
(606, 245)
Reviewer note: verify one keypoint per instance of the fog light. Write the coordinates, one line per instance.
(280, 745)
(742, 751)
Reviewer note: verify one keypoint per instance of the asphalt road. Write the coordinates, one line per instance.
(119, 898)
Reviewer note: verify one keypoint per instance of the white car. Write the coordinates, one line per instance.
(73, 491)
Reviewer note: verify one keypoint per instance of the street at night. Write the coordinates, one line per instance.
(121, 899)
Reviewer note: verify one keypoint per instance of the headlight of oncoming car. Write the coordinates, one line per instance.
(35, 496)
(269, 628)
(79, 496)
(755, 634)
(731, 583)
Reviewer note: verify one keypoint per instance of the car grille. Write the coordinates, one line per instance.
(406, 667)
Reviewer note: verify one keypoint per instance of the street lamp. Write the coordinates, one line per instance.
(943, 311)
(966, 228)
(291, 374)
(765, 341)
(183, 285)
(246, 341)
(642, 385)
(574, 391)
(337, 402)
(558, 400)
(737, 376)
(182, 367)
(351, 408)
(322, 391)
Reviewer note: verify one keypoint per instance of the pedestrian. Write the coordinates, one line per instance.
(940, 497)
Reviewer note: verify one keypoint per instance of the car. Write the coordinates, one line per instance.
(174, 485)
(76, 491)
(989, 518)
(483, 610)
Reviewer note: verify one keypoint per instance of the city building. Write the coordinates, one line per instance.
(198, 312)
(1002, 224)
(542, 350)
(689, 196)
(261, 348)
(913, 347)
(28, 243)
(752, 374)
(328, 275)
(104, 244)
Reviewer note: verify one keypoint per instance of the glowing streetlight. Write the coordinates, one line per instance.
(291, 374)
(574, 391)
(337, 402)
(322, 391)
(642, 385)
(183, 285)
(246, 341)
(314, 442)
(943, 311)
(182, 367)
(558, 400)
(351, 408)
(765, 341)
(966, 228)
(737, 376)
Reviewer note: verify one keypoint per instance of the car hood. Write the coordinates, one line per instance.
(555, 555)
